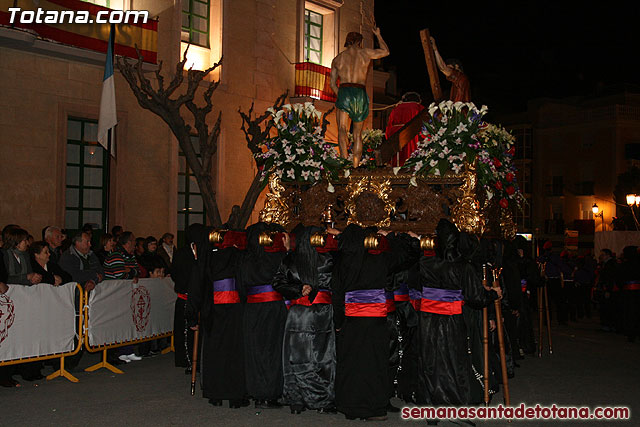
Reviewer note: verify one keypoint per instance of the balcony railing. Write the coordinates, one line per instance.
(314, 80)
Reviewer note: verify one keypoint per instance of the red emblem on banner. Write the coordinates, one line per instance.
(140, 307)
(7, 316)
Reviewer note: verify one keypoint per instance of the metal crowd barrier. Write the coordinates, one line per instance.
(61, 372)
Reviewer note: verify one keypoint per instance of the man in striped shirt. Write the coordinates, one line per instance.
(121, 263)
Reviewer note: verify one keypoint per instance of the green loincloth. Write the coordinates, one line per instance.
(354, 101)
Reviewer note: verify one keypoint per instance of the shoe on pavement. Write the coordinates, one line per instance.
(133, 357)
(124, 358)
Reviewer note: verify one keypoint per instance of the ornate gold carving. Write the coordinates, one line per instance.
(275, 208)
(466, 214)
(327, 216)
(380, 188)
(507, 226)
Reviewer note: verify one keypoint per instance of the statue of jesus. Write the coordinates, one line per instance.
(351, 67)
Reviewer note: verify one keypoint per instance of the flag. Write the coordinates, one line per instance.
(108, 119)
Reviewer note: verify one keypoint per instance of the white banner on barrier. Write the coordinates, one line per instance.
(120, 310)
(37, 320)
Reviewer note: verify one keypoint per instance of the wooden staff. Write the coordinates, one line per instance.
(546, 307)
(485, 338)
(540, 291)
(503, 361)
(194, 363)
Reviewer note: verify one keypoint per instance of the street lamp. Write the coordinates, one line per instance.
(633, 200)
(598, 213)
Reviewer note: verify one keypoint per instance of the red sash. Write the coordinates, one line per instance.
(182, 296)
(323, 297)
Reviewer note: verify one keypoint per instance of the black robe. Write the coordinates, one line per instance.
(445, 363)
(362, 375)
(309, 351)
(263, 322)
(222, 358)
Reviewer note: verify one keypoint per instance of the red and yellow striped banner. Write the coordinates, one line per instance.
(91, 36)
(314, 80)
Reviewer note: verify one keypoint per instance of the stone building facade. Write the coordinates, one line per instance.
(53, 172)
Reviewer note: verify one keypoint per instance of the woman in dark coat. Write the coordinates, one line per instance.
(309, 352)
(50, 271)
(264, 317)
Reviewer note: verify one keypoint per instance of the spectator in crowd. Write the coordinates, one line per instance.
(166, 249)
(107, 245)
(121, 263)
(29, 241)
(116, 231)
(138, 251)
(83, 265)
(584, 276)
(150, 259)
(16, 258)
(54, 237)
(41, 262)
(20, 272)
(139, 247)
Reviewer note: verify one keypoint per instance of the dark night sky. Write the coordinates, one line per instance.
(516, 51)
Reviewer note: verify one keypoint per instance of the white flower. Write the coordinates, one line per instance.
(461, 128)
(290, 159)
(271, 111)
(458, 141)
(278, 115)
(433, 163)
(458, 105)
(413, 182)
(436, 172)
(396, 170)
(484, 109)
(441, 155)
(291, 174)
(449, 104)
(316, 175)
(287, 106)
(489, 194)
(432, 108)
(330, 188)
(419, 165)
(446, 150)
(305, 175)
(442, 131)
(347, 172)
(300, 150)
(456, 167)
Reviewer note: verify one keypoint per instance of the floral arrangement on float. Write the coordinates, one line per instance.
(371, 141)
(456, 134)
(298, 151)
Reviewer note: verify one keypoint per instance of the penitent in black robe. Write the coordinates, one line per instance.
(222, 357)
(263, 323)
(447, 280)
(362, 375)
(309, 350)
